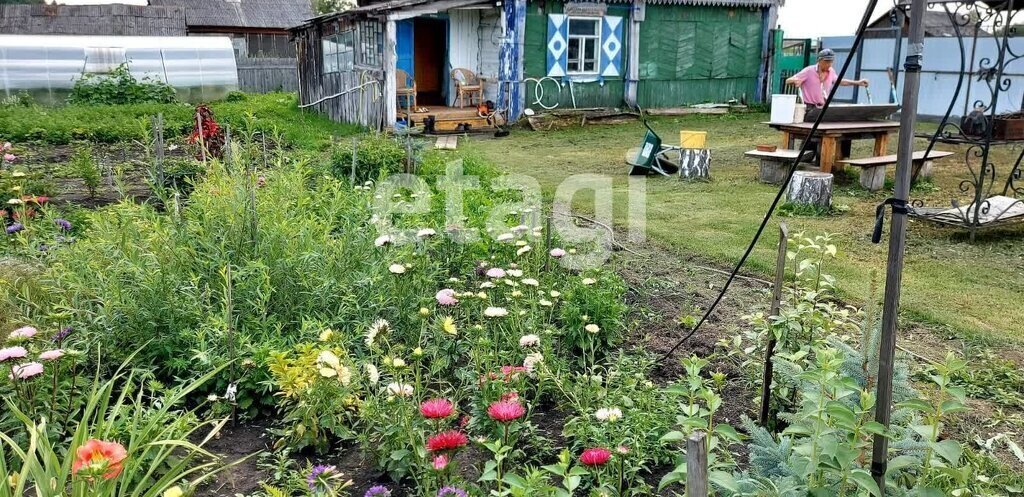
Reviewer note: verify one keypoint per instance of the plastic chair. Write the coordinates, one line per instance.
(467, 83)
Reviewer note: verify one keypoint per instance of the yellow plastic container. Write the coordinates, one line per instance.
(693, 139)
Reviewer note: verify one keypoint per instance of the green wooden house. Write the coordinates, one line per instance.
(377, 63)
(671, 52)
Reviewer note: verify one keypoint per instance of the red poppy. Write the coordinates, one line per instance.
(97, 457)
(506, 410)
(448, 440)
(436, 408)
(595, 457)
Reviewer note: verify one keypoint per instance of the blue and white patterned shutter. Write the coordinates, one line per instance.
(611, 46)
(558, 44)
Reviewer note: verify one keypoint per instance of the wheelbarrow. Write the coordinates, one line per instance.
(653, 157)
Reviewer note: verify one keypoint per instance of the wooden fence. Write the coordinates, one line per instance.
(263, 75)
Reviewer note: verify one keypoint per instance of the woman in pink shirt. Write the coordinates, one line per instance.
(816, 81)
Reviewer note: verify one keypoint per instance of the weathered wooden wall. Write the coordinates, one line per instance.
(263, 75)
(365, 105)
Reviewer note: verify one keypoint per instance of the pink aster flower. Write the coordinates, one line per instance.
(51, 355)
(12, 353)
(557, 253)
(25, 371)
(496, 272)
(446, 297)
(7, 146)
(504, 411)
(595, 457)
(24, 332)
(440, 462)
(436, 408)
(10, 157)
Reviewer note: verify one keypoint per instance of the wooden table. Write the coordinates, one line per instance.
(835, 138)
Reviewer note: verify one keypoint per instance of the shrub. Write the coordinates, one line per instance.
(376, 156)
(118, 88)
(84, 167)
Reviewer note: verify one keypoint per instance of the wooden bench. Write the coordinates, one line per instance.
(775, 165)
(872, 173)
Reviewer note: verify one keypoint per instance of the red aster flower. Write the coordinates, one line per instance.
(510, 397)
(595, 457)
(506, 410)
(448, 440)
(436, 408)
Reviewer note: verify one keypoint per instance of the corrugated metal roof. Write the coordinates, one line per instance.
(275, 14)
(100, 20)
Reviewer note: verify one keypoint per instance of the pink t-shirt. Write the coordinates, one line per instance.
(813, 90)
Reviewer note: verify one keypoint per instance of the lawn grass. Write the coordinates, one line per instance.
(974, 290)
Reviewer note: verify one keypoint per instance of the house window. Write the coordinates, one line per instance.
(584, 37)
(370, 41)
(338, 52)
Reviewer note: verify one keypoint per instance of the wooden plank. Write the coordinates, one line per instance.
(697, 465)
(786, 153)
(863, 126)
(828, 153)
(891, 159)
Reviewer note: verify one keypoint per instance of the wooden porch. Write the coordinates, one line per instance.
(441, 119)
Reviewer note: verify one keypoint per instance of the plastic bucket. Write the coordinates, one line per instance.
(693, 139)
(783, 109)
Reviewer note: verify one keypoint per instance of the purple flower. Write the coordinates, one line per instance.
(14, 228)
(63, 223)
(62, 334)
(447, 491)
(378, 491)
(315, 474)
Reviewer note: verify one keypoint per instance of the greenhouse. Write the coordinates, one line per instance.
(199, 68)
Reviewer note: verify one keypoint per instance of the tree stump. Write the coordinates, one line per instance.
(695, 164)
(810, 188)
(872, 178)
(773, 171)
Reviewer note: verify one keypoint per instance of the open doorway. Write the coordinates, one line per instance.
(430, 55)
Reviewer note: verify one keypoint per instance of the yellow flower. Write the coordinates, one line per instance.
(448, 325)
(424, 311)
(330, 366)
(326, 335)
(418, 351)
(592, 328)
(398, 362)
(174, 491)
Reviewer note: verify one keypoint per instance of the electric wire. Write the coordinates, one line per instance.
(865, 19)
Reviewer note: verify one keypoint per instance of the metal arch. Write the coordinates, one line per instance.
(991, 71)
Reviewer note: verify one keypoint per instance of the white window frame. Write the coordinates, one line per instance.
(595, 39)
(338, 57)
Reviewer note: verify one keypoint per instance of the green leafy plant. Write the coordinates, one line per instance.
(83, 166)
(120, 87)
(152, 434)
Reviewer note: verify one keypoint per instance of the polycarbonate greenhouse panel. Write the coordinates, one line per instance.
(199, 68)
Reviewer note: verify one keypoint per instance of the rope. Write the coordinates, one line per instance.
(789, 176)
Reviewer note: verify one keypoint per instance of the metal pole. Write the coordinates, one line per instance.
(897, 239)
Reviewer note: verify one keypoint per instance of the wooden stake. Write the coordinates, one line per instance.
(780, 277)
(697, 465)
(355, 154)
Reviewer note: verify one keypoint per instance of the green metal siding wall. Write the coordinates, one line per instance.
(687, 55)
